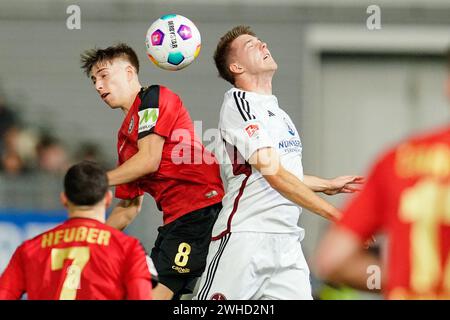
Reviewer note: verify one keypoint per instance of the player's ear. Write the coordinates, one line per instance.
(130, 72)
(236, 68)
(108, 198)
(63, 199)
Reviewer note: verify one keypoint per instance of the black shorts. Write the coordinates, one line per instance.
(181, 248)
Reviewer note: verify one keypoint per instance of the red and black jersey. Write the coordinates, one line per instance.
(81, 259)
(407, 195)
(188, 177)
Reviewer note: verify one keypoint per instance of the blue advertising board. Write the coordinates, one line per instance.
(17, 226)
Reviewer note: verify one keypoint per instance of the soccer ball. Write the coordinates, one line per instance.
(173, 42)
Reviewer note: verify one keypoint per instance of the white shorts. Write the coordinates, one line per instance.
(255, 266)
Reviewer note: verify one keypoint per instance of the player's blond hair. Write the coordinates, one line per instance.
(223, 50)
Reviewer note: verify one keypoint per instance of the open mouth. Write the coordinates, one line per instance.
(266, 56)
(104, 95)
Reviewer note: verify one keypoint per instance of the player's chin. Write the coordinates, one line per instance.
(271, 65)
(274, 65)
(111, 104)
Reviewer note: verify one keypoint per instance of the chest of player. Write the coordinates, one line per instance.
(281, 130)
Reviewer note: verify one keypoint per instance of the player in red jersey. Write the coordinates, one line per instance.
(82, 258)
(159, 154)
(407, 196)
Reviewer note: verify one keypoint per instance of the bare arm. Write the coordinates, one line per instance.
(341, 259)
(342, 184)
(145, 161)
(266, 160)
(124, 213)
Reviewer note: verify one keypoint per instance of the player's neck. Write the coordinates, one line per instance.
(87, 212)
(135, 88)
(261, 84)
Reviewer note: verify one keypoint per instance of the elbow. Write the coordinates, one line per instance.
(151, 166)
(275, 181)
(276, 184)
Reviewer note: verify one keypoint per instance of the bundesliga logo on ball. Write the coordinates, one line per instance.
(173, 42)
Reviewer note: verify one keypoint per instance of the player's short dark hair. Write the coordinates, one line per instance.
(91, 57)
(85, 183)
(223, 51)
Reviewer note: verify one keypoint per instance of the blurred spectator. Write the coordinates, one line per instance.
(52, 156)
(11, 162)
(27, 141)
(7, 117)
(91, 151)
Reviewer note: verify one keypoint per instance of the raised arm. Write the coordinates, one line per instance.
(144, 162)
(341, 259)
(266, 161)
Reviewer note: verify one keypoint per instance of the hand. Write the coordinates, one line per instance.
(344, 184)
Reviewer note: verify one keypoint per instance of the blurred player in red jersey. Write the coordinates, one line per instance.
(83, 258)
(159, 154)
(407, 196)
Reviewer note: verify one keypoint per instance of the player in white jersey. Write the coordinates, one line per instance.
(255, 251)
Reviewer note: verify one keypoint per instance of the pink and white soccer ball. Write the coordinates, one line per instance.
(173, 42)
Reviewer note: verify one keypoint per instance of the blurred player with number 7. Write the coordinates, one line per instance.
(83, 258)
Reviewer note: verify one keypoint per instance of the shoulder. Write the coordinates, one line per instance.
(131, 244)
(114, 232)
(121, 236)
(28, 248)
(238, 103)
(155, 95)
(38, 238)
(415, 143)
(236, 96)
(438, 135)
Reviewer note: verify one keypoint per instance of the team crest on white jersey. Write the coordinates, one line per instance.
(252, 129)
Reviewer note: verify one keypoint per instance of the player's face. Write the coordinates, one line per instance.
(112, 83)
(252, 54)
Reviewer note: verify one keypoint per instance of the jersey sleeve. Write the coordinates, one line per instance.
(12, 281)
(364, 215)
(138, 277)
(241, 127)
(128, 191)
(158, 111)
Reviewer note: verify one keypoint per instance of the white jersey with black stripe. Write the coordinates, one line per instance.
(248, 122)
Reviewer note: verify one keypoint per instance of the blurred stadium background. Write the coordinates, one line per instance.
(352, 92)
